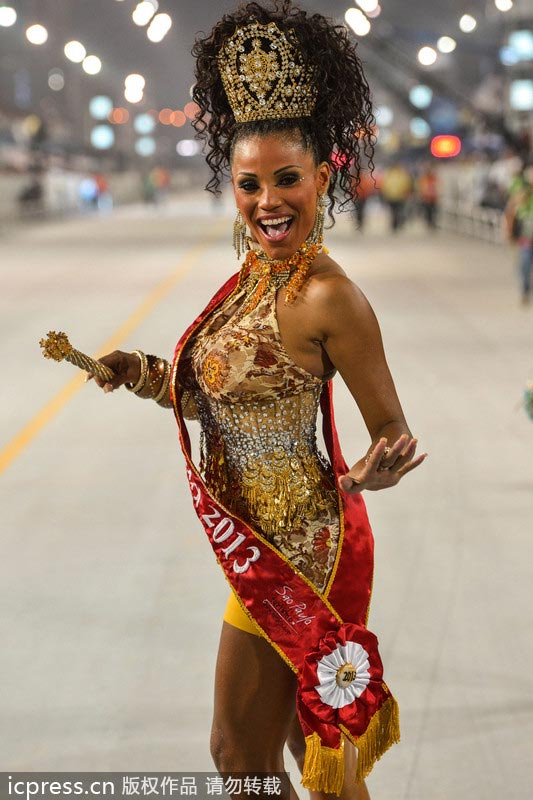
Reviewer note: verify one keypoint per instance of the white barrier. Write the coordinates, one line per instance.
(482, 223)
(61, 193)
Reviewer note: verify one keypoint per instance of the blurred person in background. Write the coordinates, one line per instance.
(396, 189)
(31, 198)
(427, 193)
(518, 219)
(366, 188)
(104, 199)
(155, 185)
(160, 179)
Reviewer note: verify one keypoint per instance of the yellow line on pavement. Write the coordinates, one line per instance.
(13, 449)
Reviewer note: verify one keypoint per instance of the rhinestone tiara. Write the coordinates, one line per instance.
(264, 75)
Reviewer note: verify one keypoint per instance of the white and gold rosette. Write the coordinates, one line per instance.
(343, 674)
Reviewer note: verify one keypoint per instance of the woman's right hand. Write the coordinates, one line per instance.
(126, 366)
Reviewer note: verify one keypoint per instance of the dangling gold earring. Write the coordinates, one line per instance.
(318, 228)
(239, 235)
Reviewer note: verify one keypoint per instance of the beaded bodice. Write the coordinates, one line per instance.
(258, 412)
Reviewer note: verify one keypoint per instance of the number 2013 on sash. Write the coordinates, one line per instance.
(222, 529)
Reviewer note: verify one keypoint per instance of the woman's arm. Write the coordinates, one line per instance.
(351, 337)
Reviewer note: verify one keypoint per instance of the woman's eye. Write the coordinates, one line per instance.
(289, 179)
(248, 186)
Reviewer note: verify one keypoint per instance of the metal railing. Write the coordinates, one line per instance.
(480, 223)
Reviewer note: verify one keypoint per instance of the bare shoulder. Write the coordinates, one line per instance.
(334, 298)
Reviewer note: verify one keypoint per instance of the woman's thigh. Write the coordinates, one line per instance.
(255, 698)
(255, 712)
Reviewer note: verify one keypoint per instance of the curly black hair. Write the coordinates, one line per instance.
(340, 131)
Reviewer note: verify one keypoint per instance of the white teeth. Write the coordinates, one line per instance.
(275, 221)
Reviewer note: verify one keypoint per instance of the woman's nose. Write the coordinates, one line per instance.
(269, 198)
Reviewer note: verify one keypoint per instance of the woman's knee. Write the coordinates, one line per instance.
(237, 750)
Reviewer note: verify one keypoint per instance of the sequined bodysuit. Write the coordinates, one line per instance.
(258, 413)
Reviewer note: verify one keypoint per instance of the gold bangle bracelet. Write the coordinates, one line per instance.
(154, 379)
(139, 386)
(164, 386)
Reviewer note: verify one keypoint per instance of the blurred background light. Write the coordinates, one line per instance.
(467, 23)
(56, 80)
(144, 123)
(357, 21)
(191, 110)
(165, 116)
(159, 27)
(367, 5)
(375, 13)
(143, 12)
(521, 42)
(133, 95)
(427, 56)
(421, 96)
(100, 106)
(521, 95)
(503, 5)
(446, 44)
(36, 34)
(119, 116)
(508, 57)
(102, 137)
(419, 128)
(134, 87)
(8, 16)
(384, 116)
(445, 146)
(188, 147)
(75, 51)
(135, 81)
(92, 65)
(145, 146)
(178, 118)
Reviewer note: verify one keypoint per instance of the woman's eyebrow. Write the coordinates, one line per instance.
(281, 169)
(289, 166)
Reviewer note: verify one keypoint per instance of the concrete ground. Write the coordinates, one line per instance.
(111, 599)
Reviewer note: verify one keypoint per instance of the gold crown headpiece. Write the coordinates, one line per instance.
(264, 75)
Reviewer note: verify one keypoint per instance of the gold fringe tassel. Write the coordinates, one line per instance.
(323, 766)
(382, 733)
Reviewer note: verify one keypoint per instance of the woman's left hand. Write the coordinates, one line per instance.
(384, 466)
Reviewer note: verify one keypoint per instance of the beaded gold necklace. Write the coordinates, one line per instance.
(265, 272)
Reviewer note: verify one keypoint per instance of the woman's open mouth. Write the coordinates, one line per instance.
(276, 229)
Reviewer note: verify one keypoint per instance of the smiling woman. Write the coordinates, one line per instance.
(284, 108)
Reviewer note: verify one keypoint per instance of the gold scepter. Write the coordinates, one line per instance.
(57, 347)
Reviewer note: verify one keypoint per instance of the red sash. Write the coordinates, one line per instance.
(321, 636)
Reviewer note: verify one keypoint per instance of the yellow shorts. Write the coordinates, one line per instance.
(234, 615)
